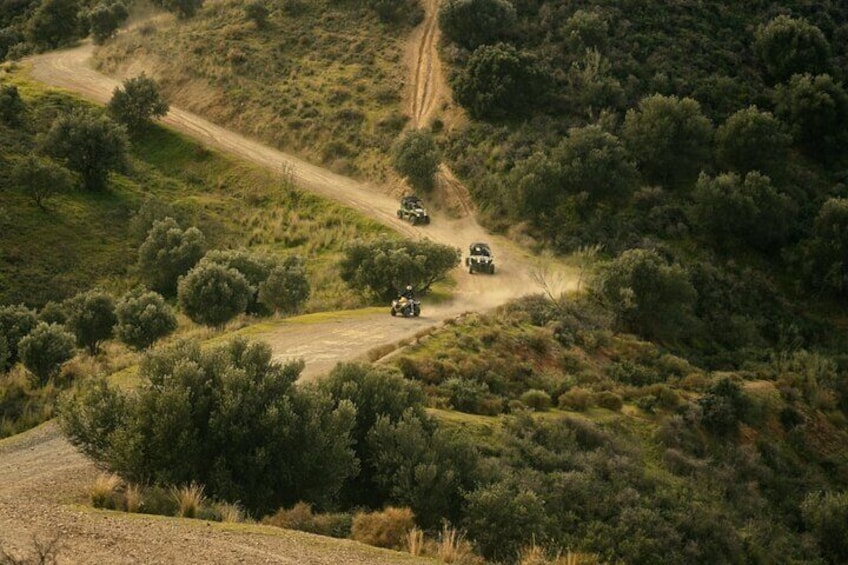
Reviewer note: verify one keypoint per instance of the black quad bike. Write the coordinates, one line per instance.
(480, 258)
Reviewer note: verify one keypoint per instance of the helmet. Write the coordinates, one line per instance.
(409, 287)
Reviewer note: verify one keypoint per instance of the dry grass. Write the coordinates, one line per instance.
(104, 492)
(189, 499)
(132, 497)
(537, 555)
(230, 512)
(454, 548)
(388, 528)
(415, 541)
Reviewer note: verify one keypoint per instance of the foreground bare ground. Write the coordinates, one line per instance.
(43, 479)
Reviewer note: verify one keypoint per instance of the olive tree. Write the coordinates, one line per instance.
(15, 323)
(826, 251)
(53, 23)
(183, 9)
(12, 108)
(256, 268)
(45, 349)
(816, 108)
(168, 253)
(213, 294)
(227, 417)
(499, 81)
(416, 157)
(88, 143)
(104, 19)
(137, 102)
(41, 178)
(737, 212)
(143, 318)
(647, 295)
(788, 46)
(753, 140)
(471, 23)
(383, 266)
(286, 289)
(670, 138)
(91, 318)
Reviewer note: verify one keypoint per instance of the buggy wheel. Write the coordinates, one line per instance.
(392, 312)
(492, 270)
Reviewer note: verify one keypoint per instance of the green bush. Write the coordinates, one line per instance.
(826, 514)
(538, 400)
(45, 349)
(91, 318)
(230, 401)
(169, 252)
(577, 398)
(609, 400)
(143, 318)
(212, 294)
(416, 157)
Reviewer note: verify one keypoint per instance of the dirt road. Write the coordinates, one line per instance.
(42, 477)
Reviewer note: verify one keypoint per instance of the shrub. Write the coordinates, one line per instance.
(143, 318)
(387, 528)
(137, 102)
(300, 517)
(12, 108)
(200, 402)
(15, 323)
(91, 318)
(213, 295)
(609, 400)
(45, 349)
(159, 501)
(383, 266)
(576, 398)
(167, 253)
(826, 514)
(465, 395)
(416, 157)
(41, 179)
(538, 400)
(286, 288)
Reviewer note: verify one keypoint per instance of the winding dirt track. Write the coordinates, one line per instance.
(42, 476)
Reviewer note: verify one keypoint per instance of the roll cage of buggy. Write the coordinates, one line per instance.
(480, 258)
(412, 210)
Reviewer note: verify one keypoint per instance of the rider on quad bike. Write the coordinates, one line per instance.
(406, 305)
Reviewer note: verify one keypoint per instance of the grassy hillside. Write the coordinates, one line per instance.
(321, 79)
(84, 239)
(633, 453)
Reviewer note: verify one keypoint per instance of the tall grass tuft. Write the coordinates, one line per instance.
(230, 512)
(132, 497)
(104, 492)
(189, 499)
(536, 555)
(415, 541)
(454, 548)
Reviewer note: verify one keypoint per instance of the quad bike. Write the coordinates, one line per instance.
(406, 307)
(480, 259)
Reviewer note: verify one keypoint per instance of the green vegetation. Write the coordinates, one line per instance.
(383, 266)
(137, 102)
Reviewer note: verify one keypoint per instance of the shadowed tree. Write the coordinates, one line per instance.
(753, 140)
(41, 179)
(500, 82)
(104, 20)
(383, 266)
(12, 108)
(471, 23)
(816, 108)
(183, 9)
(788, 46)
(648, 296)
(15, 322)
(286, 289)
(90, 144)
(54, 23)
(670, 139)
